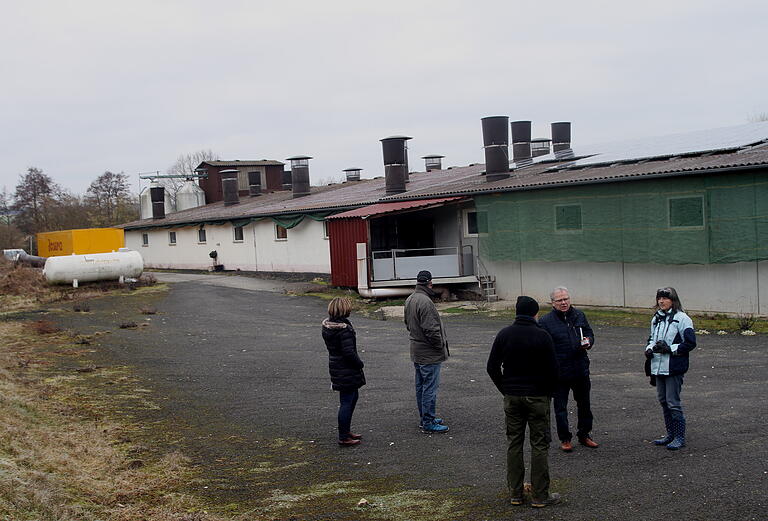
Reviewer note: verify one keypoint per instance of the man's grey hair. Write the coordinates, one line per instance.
(555, 290)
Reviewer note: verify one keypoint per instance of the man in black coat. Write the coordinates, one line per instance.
(573, 337)
(523, 367)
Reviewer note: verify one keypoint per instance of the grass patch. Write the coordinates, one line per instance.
(60, 458)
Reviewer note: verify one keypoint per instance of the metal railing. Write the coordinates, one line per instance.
(398, 263)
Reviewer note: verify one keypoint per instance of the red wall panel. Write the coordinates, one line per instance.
(344, 234)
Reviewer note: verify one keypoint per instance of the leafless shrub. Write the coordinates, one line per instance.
(45, 327)
(83, 307)
(745, 321)
(147, 279)
(147, 310)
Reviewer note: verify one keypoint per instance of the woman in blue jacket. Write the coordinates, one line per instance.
(672, 338)
(344, 364)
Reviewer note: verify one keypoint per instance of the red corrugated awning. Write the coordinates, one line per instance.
(382, 208)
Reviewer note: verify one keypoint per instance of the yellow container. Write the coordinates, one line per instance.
(80, 242)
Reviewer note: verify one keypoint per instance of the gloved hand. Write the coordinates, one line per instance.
(649, 353)
(661, 346)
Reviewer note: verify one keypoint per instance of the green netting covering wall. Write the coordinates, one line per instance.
(681, 220)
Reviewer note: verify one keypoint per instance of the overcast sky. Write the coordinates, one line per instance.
(89, 86)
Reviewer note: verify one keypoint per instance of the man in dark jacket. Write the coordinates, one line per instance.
(523, 367)
(573, 338)
(429, 348)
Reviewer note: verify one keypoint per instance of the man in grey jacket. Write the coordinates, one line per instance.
(429, 348)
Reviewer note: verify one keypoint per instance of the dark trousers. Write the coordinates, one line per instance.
(347, 402)
(580, 387)
(531, 411)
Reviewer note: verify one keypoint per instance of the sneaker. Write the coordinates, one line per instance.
(435, 427)
(516, 501)
(566, 446)
(553, 499)
(348, 442)
(438, 421)
(588, 442)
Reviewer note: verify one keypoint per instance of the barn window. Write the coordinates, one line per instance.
(201, 235)
(145, 239)
(686, 212)
(326, 234)
(172, 238)
(281, 233)
(568, 217)
(475, 223)
(238, 233)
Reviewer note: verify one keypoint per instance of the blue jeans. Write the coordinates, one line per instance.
(668, 392)
(347, 402)
(427, 384)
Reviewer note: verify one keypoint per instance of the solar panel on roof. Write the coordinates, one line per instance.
(726, 138)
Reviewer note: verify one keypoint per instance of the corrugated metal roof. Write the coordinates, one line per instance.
(464, 181)
(382, 208)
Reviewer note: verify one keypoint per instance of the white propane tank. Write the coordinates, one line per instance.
(71, 269)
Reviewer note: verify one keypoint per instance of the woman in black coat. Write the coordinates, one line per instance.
(344, 364)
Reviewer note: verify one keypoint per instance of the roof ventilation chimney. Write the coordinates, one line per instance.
(254, 183)
(157, 196)
(540, 146)
(286, 179)
(300, 175)
(395, 163)
(561, 140)
(496, 145)
(353, 173)
(229, 186)
(433, 162)
(521, 143)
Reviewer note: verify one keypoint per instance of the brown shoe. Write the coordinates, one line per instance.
(553, 499)
(566, 446)
(588, 442)
(348, 442)
(355, 436)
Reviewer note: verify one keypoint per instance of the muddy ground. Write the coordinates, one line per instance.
(237, 380)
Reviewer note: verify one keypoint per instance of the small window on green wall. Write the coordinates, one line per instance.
(568, 218)
(686, 212)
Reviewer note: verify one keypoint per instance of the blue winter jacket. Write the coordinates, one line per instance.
(676, 329)
(564, 328)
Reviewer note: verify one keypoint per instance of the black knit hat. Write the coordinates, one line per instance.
(423, 277)
(526, 306)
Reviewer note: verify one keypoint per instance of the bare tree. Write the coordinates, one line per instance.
(33, 200)
(185, 166)
(110, 199)
(758, 117)
(10, 235)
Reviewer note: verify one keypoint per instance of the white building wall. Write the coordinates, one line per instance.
(305, 250)
(733, 288)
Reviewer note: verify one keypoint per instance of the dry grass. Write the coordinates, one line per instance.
(57, 464)
(23, 288)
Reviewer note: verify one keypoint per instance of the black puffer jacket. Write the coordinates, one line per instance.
(564, 328)
(344, 364)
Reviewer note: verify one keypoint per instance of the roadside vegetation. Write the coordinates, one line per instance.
(61, 456)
